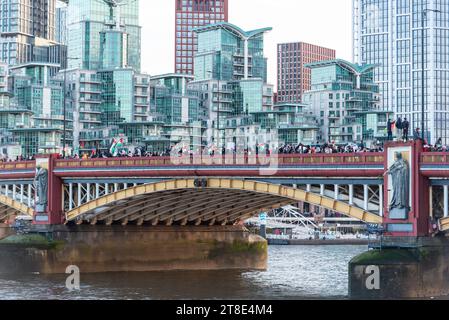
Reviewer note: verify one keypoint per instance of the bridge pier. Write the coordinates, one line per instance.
(116, 248)
(407, 268)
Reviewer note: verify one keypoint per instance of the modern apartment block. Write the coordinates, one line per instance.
(191, 14)
(231, 72)
(91, 22)
(389, 35)
(38, 98)
(28, 33)
(293, 77)
(346, 102)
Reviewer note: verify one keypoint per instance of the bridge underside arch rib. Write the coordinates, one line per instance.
(10, 207)
(220, 201)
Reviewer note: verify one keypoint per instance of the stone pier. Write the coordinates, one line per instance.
(133, 249)
(416, 268)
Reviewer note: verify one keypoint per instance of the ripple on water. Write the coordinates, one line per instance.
(307, 272)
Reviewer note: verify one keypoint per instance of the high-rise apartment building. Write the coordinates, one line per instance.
(389, 34)
(345, 100)
(191, 14)
(25, 25)
(61, 23)
(231, 71)
(293, 77)
(91, 21)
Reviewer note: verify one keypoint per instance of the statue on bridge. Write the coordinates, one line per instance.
(41, 187)
(400, 201)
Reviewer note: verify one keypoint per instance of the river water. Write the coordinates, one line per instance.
(295, 272)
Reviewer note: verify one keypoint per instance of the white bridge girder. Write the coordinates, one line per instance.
(23, 193)
(77, 194)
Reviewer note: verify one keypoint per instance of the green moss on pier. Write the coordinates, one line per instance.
(32, 240)
(387, 256)
(239, 247)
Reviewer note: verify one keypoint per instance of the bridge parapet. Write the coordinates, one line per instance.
(17, 165)
(435, 158)
(293, 159)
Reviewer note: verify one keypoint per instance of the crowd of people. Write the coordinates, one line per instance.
(118, 150)
(16, 159)
(402, 128)
(329, 148)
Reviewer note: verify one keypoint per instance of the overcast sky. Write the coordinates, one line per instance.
(322, 22)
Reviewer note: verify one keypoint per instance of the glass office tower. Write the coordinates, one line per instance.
(25, 24)
(388, 33)
(61, 23)
(88, 19)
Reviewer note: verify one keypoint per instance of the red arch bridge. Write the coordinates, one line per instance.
(226, 190)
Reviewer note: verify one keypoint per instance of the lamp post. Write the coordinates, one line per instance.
(64, 110)
(423, 83)
(218, 109)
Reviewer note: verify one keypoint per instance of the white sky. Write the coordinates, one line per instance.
(322, 22)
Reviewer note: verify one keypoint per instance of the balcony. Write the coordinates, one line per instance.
(215, 90)
(141, 94)
(90, 110)
(223, 109)
(222, 100)
(90, 100)
(141, 104)
(90, 90)
(90, 81)
(95, 121)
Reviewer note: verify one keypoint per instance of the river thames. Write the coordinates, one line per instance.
(295, 272)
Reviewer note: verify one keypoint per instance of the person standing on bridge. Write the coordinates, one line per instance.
(390, 125)
(405, 129)
(417, 134)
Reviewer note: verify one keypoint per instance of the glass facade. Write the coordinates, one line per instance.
(24, 26)
(248, 96)
(345, 99)
(31, 111)
(227, 53)
(189, 15)
(117, 96)
(113, 49)
(61, 24)
(389, 33)
(87, 19)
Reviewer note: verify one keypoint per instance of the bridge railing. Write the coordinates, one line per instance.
(19, 165)
(261, 160)
(435, 157)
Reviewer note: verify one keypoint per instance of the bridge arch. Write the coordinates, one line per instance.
(10, 207)
(201, 201)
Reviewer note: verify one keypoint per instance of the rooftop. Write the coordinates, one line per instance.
(355, 68)
(232, 28)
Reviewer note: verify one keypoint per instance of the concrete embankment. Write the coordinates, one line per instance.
(417, 271)
(133, 249)
(5, 231)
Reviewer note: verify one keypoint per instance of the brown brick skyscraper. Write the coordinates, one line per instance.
(189, 15)
(293, 78)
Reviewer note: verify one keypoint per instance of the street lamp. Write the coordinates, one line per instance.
(423, 18)
(218, 109)
(64, 109)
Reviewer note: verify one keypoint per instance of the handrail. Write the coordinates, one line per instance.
(434, 157)
(17, 165)
(261, 160)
